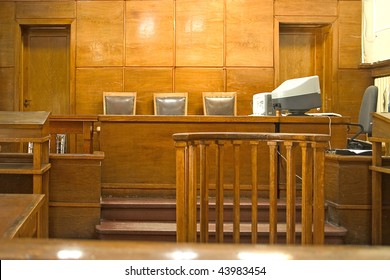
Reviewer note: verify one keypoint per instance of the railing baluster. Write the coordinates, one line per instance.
(290, 193)
(204, 193)
(219, 185)
(181, 190)
(192, 193)
(319, 196)
(254, 195)
(236, 192)
(307, 193)
(273, 192)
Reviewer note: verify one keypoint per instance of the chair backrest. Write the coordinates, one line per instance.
(174, 103)
(119, 103)
(220, 103)
(368, 106)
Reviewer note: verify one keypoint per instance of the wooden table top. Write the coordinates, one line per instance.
(15, 209)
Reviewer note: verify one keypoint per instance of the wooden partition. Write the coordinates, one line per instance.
(139, 150)
(201, 161)
(74, 199)
(79, 131)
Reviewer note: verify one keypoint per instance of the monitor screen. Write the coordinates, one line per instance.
(298, 96)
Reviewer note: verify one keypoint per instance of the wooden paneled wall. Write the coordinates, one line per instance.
(184, 46)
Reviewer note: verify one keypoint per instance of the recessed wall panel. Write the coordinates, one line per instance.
(7, 34)
(350, 34)
(246, 82)
(146, 81)
(100, 34)
(249, 33)
(90, 85)
(6, 89)
(306, 7)
(197, 80)
(39, 10)
(149, 33)
(199, 32)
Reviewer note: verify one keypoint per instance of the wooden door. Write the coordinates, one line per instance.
(305, 50)
(46, 80)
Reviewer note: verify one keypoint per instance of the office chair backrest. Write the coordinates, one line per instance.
(119, 103)
(170, 103)
(367, 107)
(220, 103)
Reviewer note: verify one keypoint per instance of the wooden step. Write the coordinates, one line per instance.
(159, 231)
(164, 210)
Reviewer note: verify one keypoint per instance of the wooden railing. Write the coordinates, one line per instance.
(72, 127)
(203, 156)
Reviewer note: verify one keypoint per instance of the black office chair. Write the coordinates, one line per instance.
(367, 107)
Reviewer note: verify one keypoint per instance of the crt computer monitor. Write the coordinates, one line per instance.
(298, 95)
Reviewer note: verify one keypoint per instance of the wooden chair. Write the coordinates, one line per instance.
(119, 103)
(220, 103)
(170, 103)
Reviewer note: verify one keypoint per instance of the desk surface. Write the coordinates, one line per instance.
(47, 249)
(380, 125)
(16, 209)
(222, 119)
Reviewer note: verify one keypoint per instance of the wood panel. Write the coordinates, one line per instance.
(146, 81)
(73, 222)
(249, 36)
(139, 151)
(74, 199)
(104, 46)
(198, 80)
(349, 34)
(38, 10)
(351, 87)
(7, 34)
(199, 32)
(334, 126)
(306, 7)
(348, 195)
(6, 88)
(246, 82)
(89, 95)
(297, 48)
(149, 33)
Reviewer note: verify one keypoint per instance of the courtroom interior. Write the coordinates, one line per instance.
(153, 125)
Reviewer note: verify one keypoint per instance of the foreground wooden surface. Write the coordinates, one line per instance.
(21, 215)
(50, 249)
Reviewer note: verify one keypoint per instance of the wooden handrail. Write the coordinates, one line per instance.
(73, 126)
(195, 170)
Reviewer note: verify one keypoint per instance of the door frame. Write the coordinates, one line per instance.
(18, 100)
(329, 81)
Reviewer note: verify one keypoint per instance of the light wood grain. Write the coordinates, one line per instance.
(199, 33)
(149, 33)
(103, 46)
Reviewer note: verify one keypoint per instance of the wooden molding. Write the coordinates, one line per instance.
(378, 69)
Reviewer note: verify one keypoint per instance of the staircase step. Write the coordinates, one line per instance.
(164, 231)
(164, 209)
